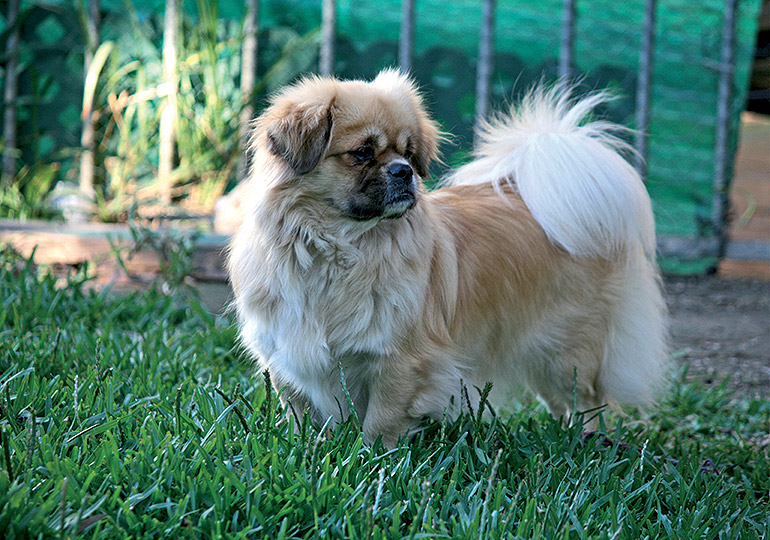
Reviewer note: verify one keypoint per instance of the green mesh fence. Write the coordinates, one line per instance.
(608, 36)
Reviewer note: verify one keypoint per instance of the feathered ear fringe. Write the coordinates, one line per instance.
(568, 170)
(298, 125)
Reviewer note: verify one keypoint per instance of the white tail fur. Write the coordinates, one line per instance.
(636, 365)
(588, 199)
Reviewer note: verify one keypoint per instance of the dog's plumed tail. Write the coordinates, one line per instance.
(568, 170)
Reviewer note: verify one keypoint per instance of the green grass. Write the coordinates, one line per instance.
(135, 417)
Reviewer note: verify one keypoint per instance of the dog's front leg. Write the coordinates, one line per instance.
(391, 395)
(293, 401)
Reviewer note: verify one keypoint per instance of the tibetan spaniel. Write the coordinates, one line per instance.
(531, 267)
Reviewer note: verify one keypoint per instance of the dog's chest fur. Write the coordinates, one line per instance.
(311, 303)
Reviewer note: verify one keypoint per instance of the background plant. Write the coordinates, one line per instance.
(24, 194)
(209, 104)
(126, 95)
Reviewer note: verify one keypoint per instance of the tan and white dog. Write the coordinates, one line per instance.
(533, 263)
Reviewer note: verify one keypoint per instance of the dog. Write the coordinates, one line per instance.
(532, 267)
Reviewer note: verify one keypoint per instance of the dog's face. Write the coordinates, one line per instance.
(360, 148)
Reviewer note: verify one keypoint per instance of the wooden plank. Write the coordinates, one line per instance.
(97, 244)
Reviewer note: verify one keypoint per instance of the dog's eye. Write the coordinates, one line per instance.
(362, 154)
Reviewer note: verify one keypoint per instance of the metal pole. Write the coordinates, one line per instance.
(328, 24)
(484, 70)
(168, 115)
(567, 39)
(88, 135)
(249, 49)
(724, 123)
(644, 86)
(406, 41)
(10, 94)
(248, 78)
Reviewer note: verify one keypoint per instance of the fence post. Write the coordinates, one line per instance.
(643, 87)
(168, 116)
(724, 124)
(567, 39)
(484, 69)
(406, 41)
(88, 135)
(328, 29)
(11, 89)
(248, 78)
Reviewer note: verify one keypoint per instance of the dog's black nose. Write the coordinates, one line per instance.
(401, 171)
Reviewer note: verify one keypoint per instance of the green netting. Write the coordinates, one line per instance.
(608, 37)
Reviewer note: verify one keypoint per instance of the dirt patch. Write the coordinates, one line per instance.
(720, 329)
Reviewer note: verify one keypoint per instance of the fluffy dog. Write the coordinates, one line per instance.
(534, 263)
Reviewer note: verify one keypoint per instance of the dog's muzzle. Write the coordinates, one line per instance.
(401, 192)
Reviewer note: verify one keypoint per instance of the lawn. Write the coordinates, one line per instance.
(137, 417)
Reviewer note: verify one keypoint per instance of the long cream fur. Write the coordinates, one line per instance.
(535, 262)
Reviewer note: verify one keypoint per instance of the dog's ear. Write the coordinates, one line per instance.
(427, 140)
(299, 132)
(426, 150)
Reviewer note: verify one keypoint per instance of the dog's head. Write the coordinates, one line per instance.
(360, 148)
